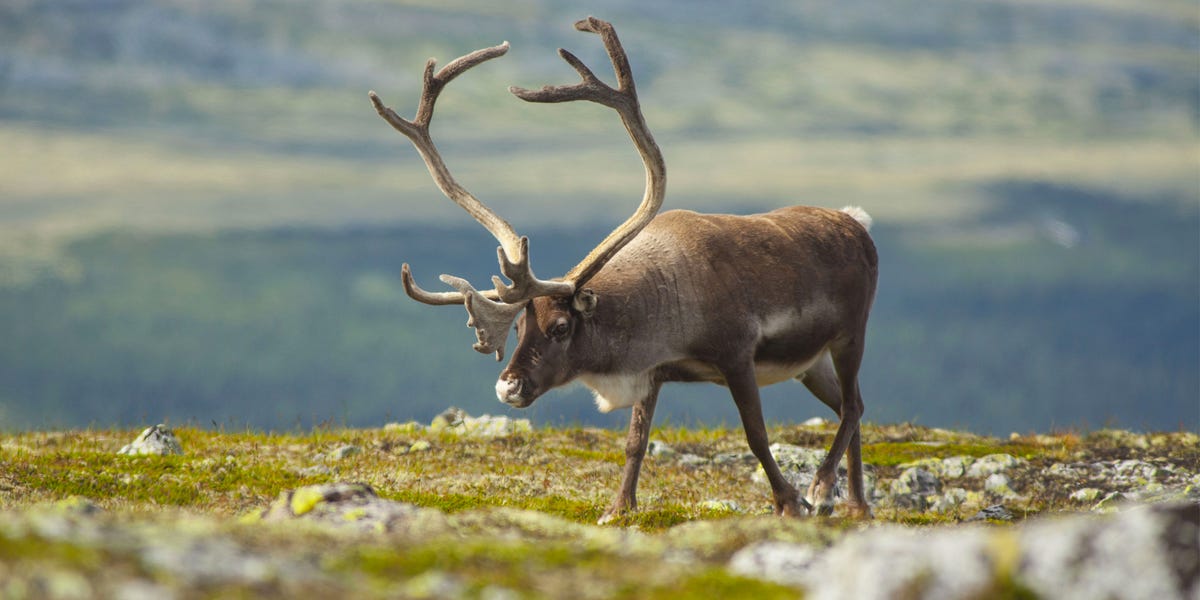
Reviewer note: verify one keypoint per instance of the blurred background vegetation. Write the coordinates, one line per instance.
(202, 219)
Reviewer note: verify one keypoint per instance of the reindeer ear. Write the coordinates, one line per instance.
(584, 302)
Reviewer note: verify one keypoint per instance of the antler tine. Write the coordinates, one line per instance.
(525, 285)
(491, 312)
(417, 131)
(490, 320)
(415, 292)
(624, 100)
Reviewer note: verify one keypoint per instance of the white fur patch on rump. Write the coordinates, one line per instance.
(617, 391)
(859, 215)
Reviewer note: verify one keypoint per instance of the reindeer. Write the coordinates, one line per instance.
(740, 301)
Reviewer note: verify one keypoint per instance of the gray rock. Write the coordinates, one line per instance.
(956, 466)
(1110, 502)
(353, 505)
(659, 449)
(157, 440)
(1148, 552)
(1000, 485)
(954, 499)
(456, 420)
(995, 512)
(346, 451)
(913, 489)
(787, 562)
(799, 465)
(993, 463)
(1086, 495)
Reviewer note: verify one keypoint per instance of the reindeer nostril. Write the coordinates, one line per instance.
(508, 390)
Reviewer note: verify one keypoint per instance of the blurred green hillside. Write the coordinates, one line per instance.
(202, 218)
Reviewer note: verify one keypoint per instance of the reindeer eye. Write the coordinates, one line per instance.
(559, 330)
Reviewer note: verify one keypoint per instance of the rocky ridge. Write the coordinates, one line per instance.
(1112, 514)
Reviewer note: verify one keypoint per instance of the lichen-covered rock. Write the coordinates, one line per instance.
(721, 538)
(1148, 552)
(954, 500)
(457, 421)
(992, 464)
(659, 449)
(1145, 552)
(1000, 485)
(995, 512)
(157, 440)
(799, 465)
(956, 466)
(352, 505)
(913, 489)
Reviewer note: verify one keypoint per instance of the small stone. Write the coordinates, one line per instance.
(815, 422)
(346, 451)
(950, 500)
(916, 480)
(1110, 503)
(158, 440)
(451, 417)
(999, 484)
(995, 512)
(1086, 495)
(932, 465)
(955, 466)
(314, 471)
(1066, 471)
(992, 463)
(419, 446)
(659, 449)
(691, 460)
(782, 562)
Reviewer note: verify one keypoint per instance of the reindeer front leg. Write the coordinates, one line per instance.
(744, 387)
(635, 450)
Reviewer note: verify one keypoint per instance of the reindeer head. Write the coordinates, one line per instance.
(548, 313)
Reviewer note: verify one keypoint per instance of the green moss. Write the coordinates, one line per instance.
(890, 454)
(614, 457)
(712, 583)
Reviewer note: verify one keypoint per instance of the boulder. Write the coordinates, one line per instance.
(353, 505)
(457, 421)
(992, 464)
(157, 440)
(1147, 552)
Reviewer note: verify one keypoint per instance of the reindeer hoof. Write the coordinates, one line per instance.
(821, 498)
(794, 506)
(861, 512)
(612, 514)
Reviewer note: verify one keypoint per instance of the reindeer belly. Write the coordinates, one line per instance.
(766, 372)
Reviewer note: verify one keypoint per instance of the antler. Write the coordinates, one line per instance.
(490, 312)
(624, 100)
